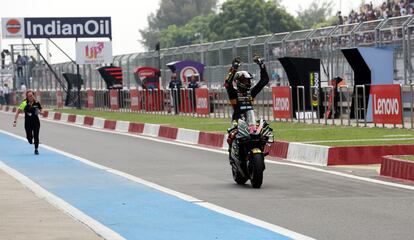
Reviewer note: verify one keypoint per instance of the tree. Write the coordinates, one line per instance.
(317, 12)
(242, 18)
(188, 34)
(235, 19)
(174, 12)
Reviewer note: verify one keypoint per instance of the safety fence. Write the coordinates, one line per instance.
(364, 105)
(324, 43)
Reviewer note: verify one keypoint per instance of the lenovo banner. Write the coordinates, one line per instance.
(202, 101)
(282, 102)
(93, 52)
(387, 105)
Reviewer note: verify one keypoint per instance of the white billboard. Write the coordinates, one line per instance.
(93, 52)
(12, 27)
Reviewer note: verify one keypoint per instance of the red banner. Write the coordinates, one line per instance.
(135, 103)
(202, 101)
(113, 93)
(59, 99)
(282, 102)
(387, 107)
(91, 99)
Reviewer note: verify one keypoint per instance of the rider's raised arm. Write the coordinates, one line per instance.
(228, 82)
(264, 77)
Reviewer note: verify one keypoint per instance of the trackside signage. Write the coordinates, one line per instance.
(12, 27)
(282, 102)
(202, 102)
(68, 27)
(93, 52)
(387, 104)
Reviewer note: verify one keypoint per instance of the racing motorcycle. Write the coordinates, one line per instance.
(247, 150)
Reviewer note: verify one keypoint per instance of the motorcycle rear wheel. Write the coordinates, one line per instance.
(256, 168)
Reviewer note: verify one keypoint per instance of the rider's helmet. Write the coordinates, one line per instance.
(243, 80)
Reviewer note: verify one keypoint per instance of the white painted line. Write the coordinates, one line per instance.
(222, 151)
(398, 135)
(60, 204)
(390, 184)
(185, 197)
(254, 221)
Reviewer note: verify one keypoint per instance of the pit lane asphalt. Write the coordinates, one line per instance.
(319, 205)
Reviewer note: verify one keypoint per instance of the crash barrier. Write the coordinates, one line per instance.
(392, 166)
(386, 105)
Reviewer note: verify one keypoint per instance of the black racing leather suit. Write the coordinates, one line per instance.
(243, 101)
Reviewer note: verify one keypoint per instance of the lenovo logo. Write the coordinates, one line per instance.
(386, 106)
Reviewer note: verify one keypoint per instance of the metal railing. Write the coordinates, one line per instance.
(183, 102)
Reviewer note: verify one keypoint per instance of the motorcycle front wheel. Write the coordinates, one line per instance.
(238, 177)
(256, 168)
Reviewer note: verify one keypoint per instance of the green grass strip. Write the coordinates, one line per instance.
(326, 135)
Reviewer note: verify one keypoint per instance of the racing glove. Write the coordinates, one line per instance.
(259, 61)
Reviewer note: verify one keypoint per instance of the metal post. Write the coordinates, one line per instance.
(412, 104)
(144, 101)
(310, 93)
(297, 102)
(291, 105)
(303, 102)
(402, 108)
(333, 106)
(325, 104)
(364, 102)
(79, 105)
(356, 106)
(341, 100)
(191, 92)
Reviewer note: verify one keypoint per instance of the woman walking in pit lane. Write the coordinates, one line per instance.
(31, 109)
